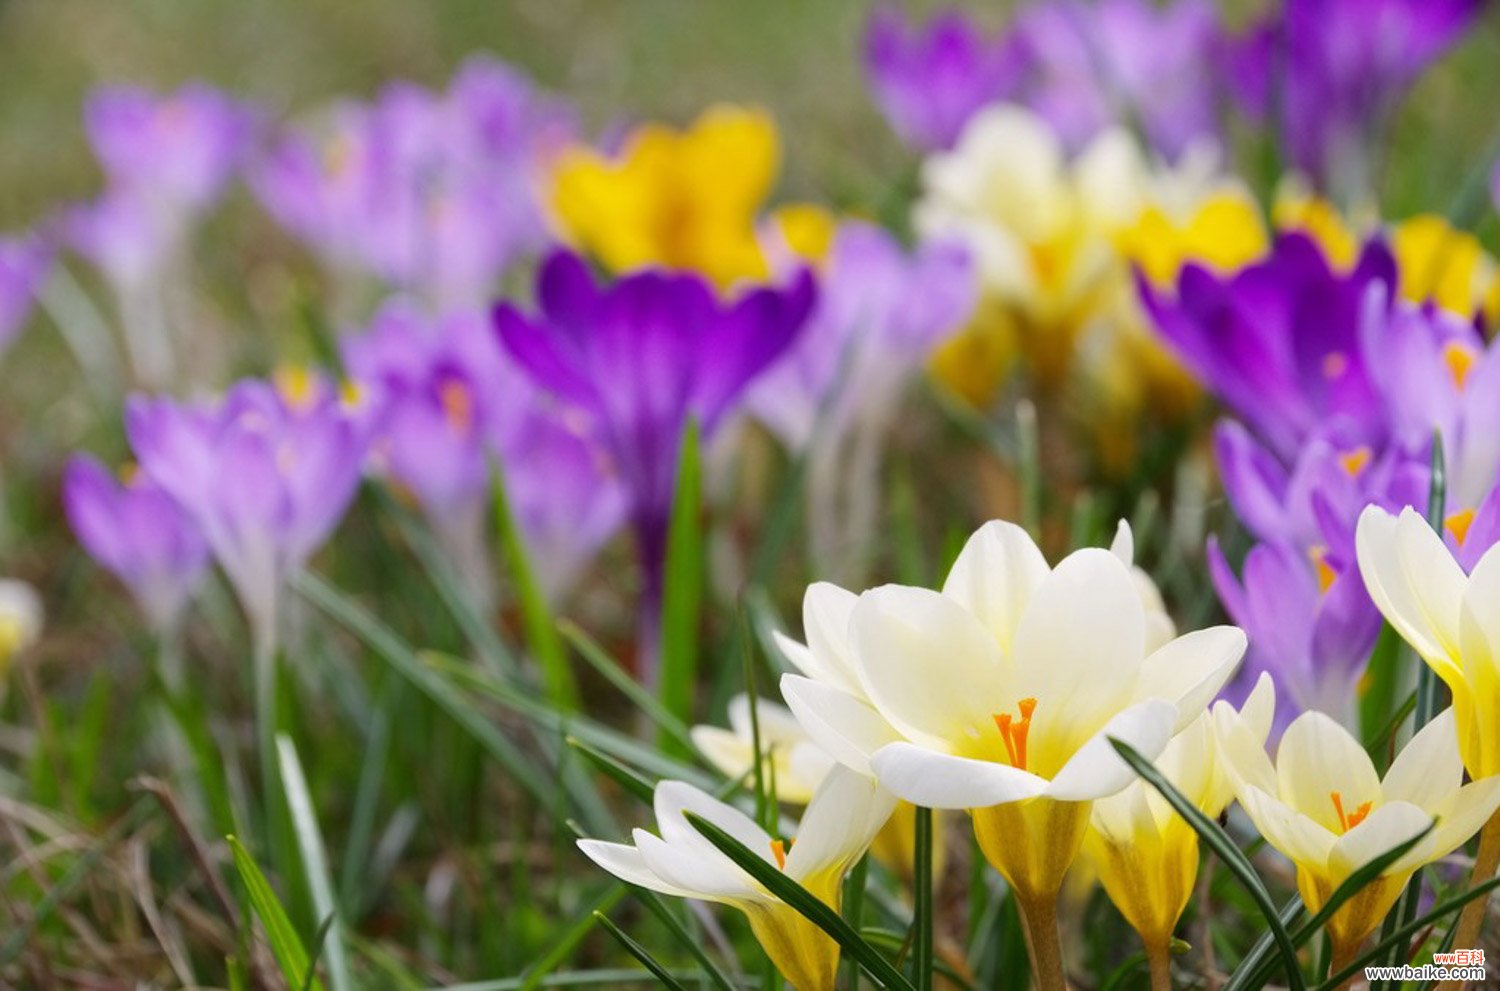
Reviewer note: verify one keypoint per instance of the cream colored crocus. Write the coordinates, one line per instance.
(844, 814)
(791, 761)
(999, 695)
(1326, 809)
(1146, 855)
(1452, 621)
(20, 622)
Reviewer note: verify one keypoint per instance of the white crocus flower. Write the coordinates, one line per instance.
(1146, 854)
(845, 813)
(793, 761)
(1324, 806)
(20, 622)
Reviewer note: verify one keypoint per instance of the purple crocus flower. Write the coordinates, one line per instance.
(1333, 70)
(1280, 341)
(431, 193)
(177, 150)
(640, 357)
(264, 473)
(929, 80)
(25, 264)
(140, 534)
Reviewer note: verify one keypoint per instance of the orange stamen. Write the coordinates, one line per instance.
(458, 406)
(1348, 820)
(1335, 363)
(1353, 462)
(1458, 524)
(1318, 555)
(778, 850)
(1460, 358)
(1013, 732)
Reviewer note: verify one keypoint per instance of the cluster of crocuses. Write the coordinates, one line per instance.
(1006, 694)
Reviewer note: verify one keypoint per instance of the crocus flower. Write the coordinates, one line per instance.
(1325, 808)
(25, 264)
(178, 150)
(929, 80)
(685, 200)
(1147, 854)
(833, 395)
(1333, 71)
(793, 761)
(843, 815)
(1003, 690)
(265, 474)
(640, 358)
(140, 534)
(20, 622)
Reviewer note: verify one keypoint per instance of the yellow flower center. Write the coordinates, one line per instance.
(1458, 524)
(1348, 820)
(1013, 732)
(1460, 358)
(296, 384)
(1318, 555)
(130, 473)
(1353, 462)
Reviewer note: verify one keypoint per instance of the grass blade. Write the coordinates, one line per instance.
(628, 778)
(806, 903)
(659, 908)
(314, 860)
(1257, 963)
(1233, 858)
(537, 974)
(682, 591)
(286, 945)
(640, 953)
(589, 649)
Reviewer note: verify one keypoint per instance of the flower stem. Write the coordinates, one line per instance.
(1039, 922)
(1159, 960)
(1342, 955)
(1466, 936)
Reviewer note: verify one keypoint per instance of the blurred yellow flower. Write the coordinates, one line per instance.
(682, 199)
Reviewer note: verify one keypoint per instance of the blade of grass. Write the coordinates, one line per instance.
(319, 938)
(589, 649)
(805, 903)
(640, 953)
(536, 975)
(626, 777)
(659, 908)
(314, 859)
(1258, 963)
(286, 945)
(1233, 858)
(682, 590)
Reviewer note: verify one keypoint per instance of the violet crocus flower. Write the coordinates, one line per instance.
(640, 358)
(1333, 70)
(25, 265)
(433, 193)
(1280, 342)
(929, 80)
(264, 473)
(832, 396)
(140, 534)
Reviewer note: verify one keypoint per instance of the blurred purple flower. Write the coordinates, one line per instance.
(123, 237)
(1280, 341)
(140, 534)
(1082, 66)
(639, 358)
(432, 193)
(929, 80)
(265, 473)
(1333, 70)
(178, 150)
(25, 265)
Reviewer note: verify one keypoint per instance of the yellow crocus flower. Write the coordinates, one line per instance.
(681, 199)
(1448, 266)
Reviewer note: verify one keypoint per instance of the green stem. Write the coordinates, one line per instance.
(1159, 960)
(1043, 942)
(922, 880)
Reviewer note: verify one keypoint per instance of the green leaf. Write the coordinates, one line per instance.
(805, 903)
(1218, 841)
(536, 615)
(1257, 964)
(536, 975)
(682, 591)
(626, 777)
(314, 860)
(1378, 719)
(659, 909)
(589, 649)
(286, 945)
(640, 953)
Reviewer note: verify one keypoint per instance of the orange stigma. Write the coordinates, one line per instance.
(1353, 462)
(778, 850)
(1318, 555)
(1348, 820)
(1335, 363)
(458, 406)
(1458, 524)
(1013, 732)
(1460, 358)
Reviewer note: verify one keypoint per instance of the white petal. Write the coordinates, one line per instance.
(1428, 769)
(1479, 620)
(1240, 749)
(1463, 813)
(674, 798)
(826, 611)
(1259, 710)
(940, 781)
(726, 751)
(995, 575)
(1190, 670)
(927, 664)
(1123, 546)
(1388, 548)
(703, 873)
(626, 863)
(1080, 643)
(1096, 770)
(1384, 829)
(844, 726)
(841, 820)
(1318, 759)
(1299, 838)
